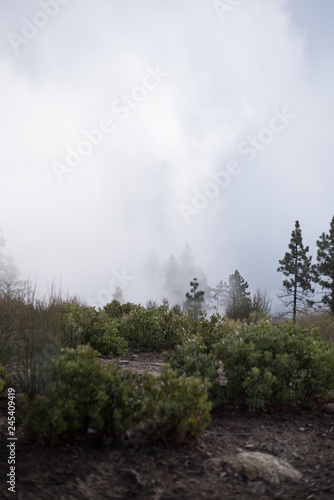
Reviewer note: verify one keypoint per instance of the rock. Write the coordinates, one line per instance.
(255, 465)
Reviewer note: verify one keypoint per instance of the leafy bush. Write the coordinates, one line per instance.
(84, 393)
(81, 393)
(268, 365)
(192, 357)
(151, 329)
(181, 405)
(117, 310)
(94, 327)
(5, 381)
(213, 329)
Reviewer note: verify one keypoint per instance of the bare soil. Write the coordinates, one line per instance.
(92, 467)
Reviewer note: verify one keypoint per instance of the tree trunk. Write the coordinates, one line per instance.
(294, 314)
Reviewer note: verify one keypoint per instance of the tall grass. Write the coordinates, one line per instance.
(323, 320)
(31, 335)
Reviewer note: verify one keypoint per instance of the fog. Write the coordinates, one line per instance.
(129, 129)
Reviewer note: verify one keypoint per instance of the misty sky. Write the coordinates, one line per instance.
(133, 127)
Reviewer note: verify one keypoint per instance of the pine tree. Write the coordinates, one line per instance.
(118, 295)
(8, 270)
(220, 295)
(323, 270)
(188, 260)
(174, 285)
(194, 299)
(296, 265)
(239, 302)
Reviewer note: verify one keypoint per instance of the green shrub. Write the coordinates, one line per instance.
(94, 327)
(117, 310)
(181, 405)
(84, 393)
(5, 381)
(81, 393)
(268, 365)
(212, 330)
(71, 401)
(193, 358)
(151, 329)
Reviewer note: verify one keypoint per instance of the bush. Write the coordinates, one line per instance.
(84, 393)
(94, 327)
(117, 310)
(181, 405)
(5, 381)
(212, 330)
(151, 329)
(268, 365)
(192, 357)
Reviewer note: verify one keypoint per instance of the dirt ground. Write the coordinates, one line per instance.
(138, 467)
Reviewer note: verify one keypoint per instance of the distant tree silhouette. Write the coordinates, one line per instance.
(239, 302)
(8, 271)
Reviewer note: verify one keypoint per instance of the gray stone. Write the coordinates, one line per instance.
(262, 466)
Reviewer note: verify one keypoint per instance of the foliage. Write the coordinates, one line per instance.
(30, 335)
(37, 341)
(181, 406)
(323, 270)
(193, 358)
(194, 355)
(84, 393)
(151, 329)
(117, 310)
(239, 303)
(11, 315)
(322, 320)
(5, 381)
(260, 306)
(195, 298)
(95, 327)
(220, 296)
(81, 393)
(268, 365)
(296, 265)
(8, 271)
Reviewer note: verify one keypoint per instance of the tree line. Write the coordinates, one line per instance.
(301, 274)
